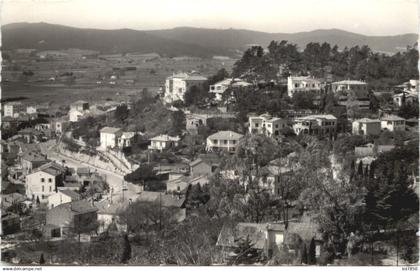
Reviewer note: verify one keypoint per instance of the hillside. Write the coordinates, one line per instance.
(44, 36)
(182, 40)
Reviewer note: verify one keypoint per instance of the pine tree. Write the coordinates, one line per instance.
(312, 253)
(41, 259)
(126, 250)
(304, 259)
(245, 253)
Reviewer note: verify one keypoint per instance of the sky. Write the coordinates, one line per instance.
(370, 17)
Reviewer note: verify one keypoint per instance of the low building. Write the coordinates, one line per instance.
(13, 109)
(406, 98)
(302, 84)
(76, 115)
(220, 87)
(267, 125)
(10, 223)
(194, 121)
(30, 160)
(177, 85)
(392, 123)
(320, 125)
(79, 105)
(127, 139)
(62, 196)
(109, 215)
(348, 85)
(71, 218)
(223, 141)
(204, 165)
(30, 109)
(411, 86)
(163, 142)
(109, 137)
(371, 150)
(43, 181)
(366, 126)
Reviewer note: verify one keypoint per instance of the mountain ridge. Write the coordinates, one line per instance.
(183, 40)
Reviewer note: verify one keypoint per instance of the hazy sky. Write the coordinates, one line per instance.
(372, 17)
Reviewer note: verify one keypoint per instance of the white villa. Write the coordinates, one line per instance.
(177, 84)
(220, 87)
(392, 123)
(265, 124)
(316, 125)
(348, 85)
(163, 142)
(366, 126)
(302, 84)
(109, 137)
(223, 140)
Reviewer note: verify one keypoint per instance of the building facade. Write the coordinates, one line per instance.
(13, 109)
(265, 124)
(223, 141)
(109, 137)
(177, 84)
(366, 126)
(347, 85)
(392, 123)
(320, 125)
(163, 142)
(302, 84)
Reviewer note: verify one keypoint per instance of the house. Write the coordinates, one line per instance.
(392, 123)
(204, 165)
(220, 87)
(31, 109)
(30, 135)
(62, 196)
(127, 139)
(265, 124)
(302, 84)
(316, 125)
(13, 109)
(177, 84)
(180, 183)
(223, 141)
(30, 160)
(270, 177)
(76, 115)
(347, 85)
(109, 214)
(109, 137)
(194, 121)
(79, 105)
(371, 150)
(366, 126)
(411, 86)
(270, 238)
(405, 98)
(176, 203)
(163, 142)
(42, 126)
(71, 218)
(43, 181)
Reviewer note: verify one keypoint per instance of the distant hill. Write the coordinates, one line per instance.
(181, 40)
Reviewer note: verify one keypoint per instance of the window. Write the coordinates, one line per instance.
(296, 85)
(42, 180)
(50, 189)
(233, 141)
(256, 124)
(42, 188)
(389, 122)
(269, 125)
(178, 188)
(49, 180)
(232, 149)
(215, 141)
(277, 126)
(225, 141)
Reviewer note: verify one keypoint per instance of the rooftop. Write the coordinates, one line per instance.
(326, 116)
(226, 135)
(367, 120)
(391, 118)
(72, 194)
(165, 138)
(51, 168)
(110, 130)
(349, 82)
(79, 207)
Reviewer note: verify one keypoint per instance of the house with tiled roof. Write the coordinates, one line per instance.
(366, 126)
(76, 217)
(205, 165)
(266, 124)
(392, 123)
(109, 137)
(177, 85)
(347, 85)
(163, 142)
(319, 125)
(30, 160)
(62, 196)
(43, 181)
(302, 84)
(223, 141)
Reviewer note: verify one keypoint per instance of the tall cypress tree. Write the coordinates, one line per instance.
(312, 252)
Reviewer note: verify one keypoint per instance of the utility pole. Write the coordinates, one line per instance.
(160, 212)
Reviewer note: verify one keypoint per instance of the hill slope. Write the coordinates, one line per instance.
(181, 40)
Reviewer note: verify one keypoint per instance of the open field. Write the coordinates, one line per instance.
(62, 80)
